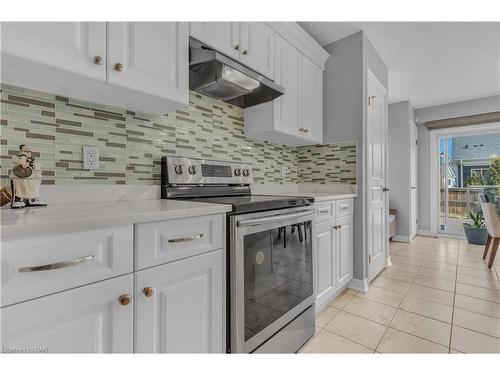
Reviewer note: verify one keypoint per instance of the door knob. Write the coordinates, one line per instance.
(237, 47)
(245, 52)
(125, 299)
(98, 60)
(385, 189)
(148, 292)
(118, 67)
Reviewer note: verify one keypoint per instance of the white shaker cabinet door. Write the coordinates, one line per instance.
(150, 57)
(345, 250)
(325, 262)
(311, 98)
(287, 73)
(183, 309)
(224, 37)
(89, 319)
(78, 47)
(257, 47)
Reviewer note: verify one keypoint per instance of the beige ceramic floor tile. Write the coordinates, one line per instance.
(396, 274)
(350, 291)
(491, 295)
(468, 341)
(477, 281)
(479, 266)
(325, 316)
(422, 326)
(383, 296)
(477, 322)
(437, 274)
(474, 272)
(371, 310)
(432, 282)
(427, 308)
(391, 284)
(479, 306)
(395, 341)
(362, 331)
(341, 301)
(327, 342)
(400, 265)
(431, 294)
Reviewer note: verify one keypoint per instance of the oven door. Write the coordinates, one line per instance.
(271, 268)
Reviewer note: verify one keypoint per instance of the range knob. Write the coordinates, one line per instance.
(192, 169)
(246, 172)
(237, 172)
(178, 169)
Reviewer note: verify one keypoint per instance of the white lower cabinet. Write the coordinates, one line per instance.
(180, 306)
(344, 251)
(334, 250)
(97, 318)
(325, 260)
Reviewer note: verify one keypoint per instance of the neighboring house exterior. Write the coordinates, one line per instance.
(470, 155)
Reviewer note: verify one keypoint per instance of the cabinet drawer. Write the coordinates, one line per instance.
(344, 207)
(165, 241)
(324, 211)
(39, 266)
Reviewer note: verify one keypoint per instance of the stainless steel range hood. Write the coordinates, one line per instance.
(216, 75)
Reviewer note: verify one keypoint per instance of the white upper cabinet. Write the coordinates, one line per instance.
(145, 68)
(311, 101)
(78, 47)
(296, 117)
(287, 107)
(221, 36)
(97, 318)
(251, 43)
(149, 57)
(257, 47)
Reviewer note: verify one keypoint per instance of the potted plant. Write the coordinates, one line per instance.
(476, 232)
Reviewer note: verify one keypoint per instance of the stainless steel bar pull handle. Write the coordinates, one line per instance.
(270, 219)
(55, 266)
(186, 239)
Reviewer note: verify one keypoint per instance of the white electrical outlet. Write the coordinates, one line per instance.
(90, 157)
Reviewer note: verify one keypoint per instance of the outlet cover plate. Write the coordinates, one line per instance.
(90, 157)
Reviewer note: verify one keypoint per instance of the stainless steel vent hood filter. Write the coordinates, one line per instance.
(217, 76)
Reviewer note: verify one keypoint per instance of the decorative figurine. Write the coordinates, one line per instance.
(26, 177)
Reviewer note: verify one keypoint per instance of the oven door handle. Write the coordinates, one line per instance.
(272, 219)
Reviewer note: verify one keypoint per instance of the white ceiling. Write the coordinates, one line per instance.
(429, 63)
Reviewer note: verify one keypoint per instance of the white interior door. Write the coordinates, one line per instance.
(376, 210)
(413, 178)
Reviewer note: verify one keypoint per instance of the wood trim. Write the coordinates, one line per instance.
(483, 118)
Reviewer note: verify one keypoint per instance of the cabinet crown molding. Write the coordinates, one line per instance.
(297, 36)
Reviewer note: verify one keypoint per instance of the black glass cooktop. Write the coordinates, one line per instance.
(255, 203)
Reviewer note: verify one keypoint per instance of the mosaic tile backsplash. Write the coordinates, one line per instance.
(131, 144)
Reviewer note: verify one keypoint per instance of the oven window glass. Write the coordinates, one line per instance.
(278, 274)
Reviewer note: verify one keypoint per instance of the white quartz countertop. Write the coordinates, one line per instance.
(73, 217)
(321, 196)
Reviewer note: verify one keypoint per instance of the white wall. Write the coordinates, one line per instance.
(423, 115)
(344, 108)
(399, 124)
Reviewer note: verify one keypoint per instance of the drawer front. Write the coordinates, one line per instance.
(165, 241)
(344, 207)
(324, 211)
(36, 267)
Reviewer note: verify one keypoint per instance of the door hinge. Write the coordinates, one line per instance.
(370, 98)
(416, 221)
(369, 258)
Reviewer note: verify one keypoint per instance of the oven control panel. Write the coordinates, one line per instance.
(181, 170)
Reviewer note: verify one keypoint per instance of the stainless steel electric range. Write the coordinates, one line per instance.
(270, 258)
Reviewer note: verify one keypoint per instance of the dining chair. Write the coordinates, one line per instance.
(493, 227)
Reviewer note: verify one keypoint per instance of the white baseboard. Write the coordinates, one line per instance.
(388, 261)
(358, 285)
(427, 233)
(399, 238)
